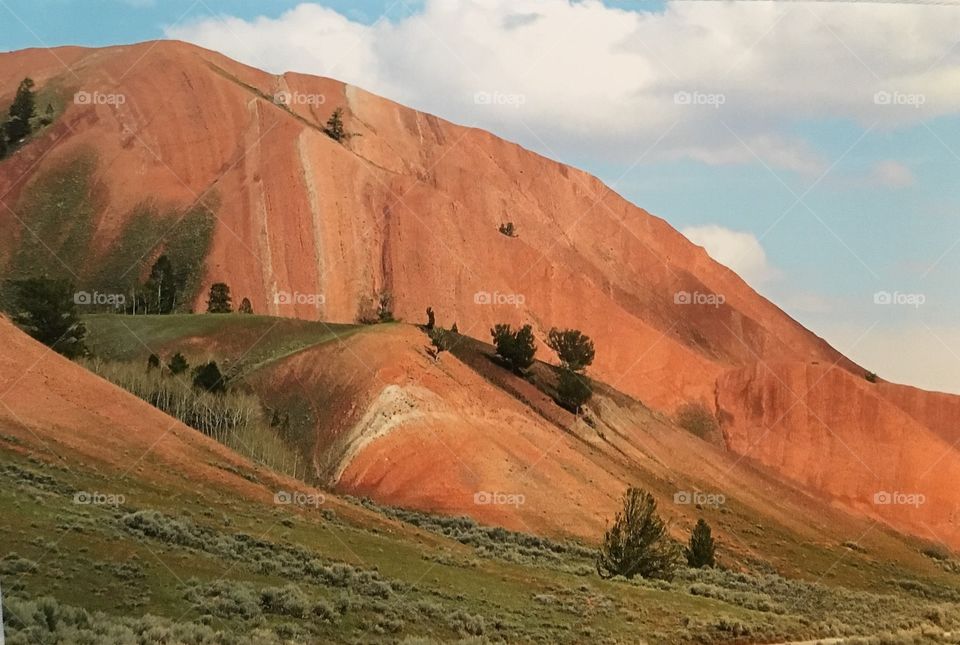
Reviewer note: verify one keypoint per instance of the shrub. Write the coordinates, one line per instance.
(637, 544)
(431, 319)
(696, 419)
(516, 348)
(701, 551)
(508, 229)
(385, 307)
(218, 301)
(573, 348)
(573, 390)
(45, 309)
(225, 599)
(48, 115)
(285, 601)
(936, 551)
(442, 341)
(208, 377)
(246, 307)
(153, 362)
(871, 377)
(178, 364)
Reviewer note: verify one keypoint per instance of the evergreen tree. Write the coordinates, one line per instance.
(208, 377)
(516, 348)
(454, 329)
(45, 309)
(218, 302)
(637, 544)
(21, 111)
(431, 319)
(701, 551)
(573, 390)
(245, 306)
(178, 364)
(334, 128)
(161, 287)
(573, 348)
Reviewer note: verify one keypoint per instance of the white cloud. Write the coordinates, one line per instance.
(892, 174)
(737, 250)
(604, 81)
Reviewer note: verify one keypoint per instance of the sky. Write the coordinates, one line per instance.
(813, 147)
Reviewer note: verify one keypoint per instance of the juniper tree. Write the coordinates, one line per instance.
(516, 348)
(334, 128)
(573, 348)
(218, 302)
(701, 550)
(573, 390)
(637, 544)
(46, 310)
(21, 112)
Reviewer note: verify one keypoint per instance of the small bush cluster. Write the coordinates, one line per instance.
(46, 620)
(495, 542)
(232, 417)
(696, 419)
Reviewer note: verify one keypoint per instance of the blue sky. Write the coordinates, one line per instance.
(596, 85)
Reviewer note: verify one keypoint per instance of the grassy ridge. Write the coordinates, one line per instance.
(243, 343)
